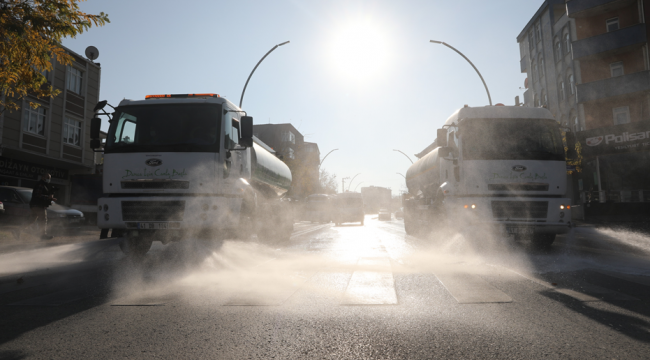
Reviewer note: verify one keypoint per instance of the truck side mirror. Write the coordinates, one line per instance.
(95, 126)
(246, 124)
(571, 145)
(441, 137)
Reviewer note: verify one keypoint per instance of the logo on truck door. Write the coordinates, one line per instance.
(519, 168)
(153, 162)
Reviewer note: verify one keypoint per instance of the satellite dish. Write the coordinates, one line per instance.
(92, 53)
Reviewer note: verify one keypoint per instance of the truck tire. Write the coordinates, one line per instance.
(543, 241)
(135, 247)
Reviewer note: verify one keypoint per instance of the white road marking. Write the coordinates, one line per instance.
(373, 286)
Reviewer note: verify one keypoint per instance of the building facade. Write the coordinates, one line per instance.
(54, 137)
(302, 157)
(587, 61)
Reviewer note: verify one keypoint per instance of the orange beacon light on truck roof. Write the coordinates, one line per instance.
(181, 95)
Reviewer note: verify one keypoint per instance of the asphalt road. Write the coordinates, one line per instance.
(358, 292)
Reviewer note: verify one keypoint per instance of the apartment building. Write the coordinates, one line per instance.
(611, 51)
(599, 87)
(302, 157)
(545, 57)
(54, 137)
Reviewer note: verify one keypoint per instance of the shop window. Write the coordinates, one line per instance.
(74, 80)
(34, 120)
(72, 132)
(621, 115)
(612, 24)
(617, 69)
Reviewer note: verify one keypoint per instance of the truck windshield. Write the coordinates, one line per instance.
(511, 139)
(165, 127)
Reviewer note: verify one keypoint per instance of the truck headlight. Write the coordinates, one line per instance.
(473, 206)
(562, 207)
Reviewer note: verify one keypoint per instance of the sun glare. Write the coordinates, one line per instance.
(358, 51)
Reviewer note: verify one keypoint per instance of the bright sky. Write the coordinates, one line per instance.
(360, 76)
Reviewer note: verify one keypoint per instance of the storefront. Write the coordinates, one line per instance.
(22, 173)
(616, 178)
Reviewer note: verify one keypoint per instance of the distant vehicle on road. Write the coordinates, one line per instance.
(348, 207)
(16, 202)
(384, 214)
(318, 208)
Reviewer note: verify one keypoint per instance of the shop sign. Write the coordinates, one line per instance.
(615, 139)
(27, 170)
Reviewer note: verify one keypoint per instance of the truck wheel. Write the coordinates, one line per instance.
(135, 247)
(543, 241)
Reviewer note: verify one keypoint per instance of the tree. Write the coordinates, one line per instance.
(328, 183)
(31, 33)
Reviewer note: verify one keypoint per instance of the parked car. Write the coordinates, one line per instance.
(16, 204)
(384, 214)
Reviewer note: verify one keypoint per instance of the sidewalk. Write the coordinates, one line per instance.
(62, 236)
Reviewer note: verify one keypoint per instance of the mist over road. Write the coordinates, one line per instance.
(333, 292)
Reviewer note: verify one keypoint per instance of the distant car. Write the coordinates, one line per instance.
(16, 205)
(399, 214)
(348, 207)
(384, 214)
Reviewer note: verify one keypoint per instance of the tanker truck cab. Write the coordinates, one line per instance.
(502, 166)
(182, 165)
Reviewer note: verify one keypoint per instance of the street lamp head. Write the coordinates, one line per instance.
(435, 41)
(286, 42)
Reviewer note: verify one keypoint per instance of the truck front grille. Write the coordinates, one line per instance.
(518, 187)
(519, 209)
(153, 210)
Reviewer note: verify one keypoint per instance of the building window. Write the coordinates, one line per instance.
(616, 69)
(288, 136)
(541, 67)
(567, 43)
(562, 92)
(572, 84)
(538, 32)
(544, 99)
(291, 154)
(621, 115)
(558, 50)
(576, 124)
(531, 41)
(74, 80)
(71, 132)
(534, 70)
(34, 120)
(612, 24)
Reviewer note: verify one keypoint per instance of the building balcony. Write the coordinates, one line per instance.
(579, 8)
(616, 86)
(523, 63)
(628, 36)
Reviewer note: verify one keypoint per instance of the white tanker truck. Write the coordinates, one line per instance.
(188, 165)
(500, 166)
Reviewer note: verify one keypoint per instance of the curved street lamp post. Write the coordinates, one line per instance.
(404, 155)
(241, 99)
(465, 57)
(350, 184)
(355, 188)
(321, 162)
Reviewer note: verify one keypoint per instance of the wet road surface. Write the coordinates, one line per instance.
(333, 292)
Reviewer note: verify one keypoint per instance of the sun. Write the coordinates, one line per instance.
(359, 51)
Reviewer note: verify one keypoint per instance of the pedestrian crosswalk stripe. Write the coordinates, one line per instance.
(373, 284)
(470, 288)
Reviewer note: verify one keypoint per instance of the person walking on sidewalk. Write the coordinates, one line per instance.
(42, 197)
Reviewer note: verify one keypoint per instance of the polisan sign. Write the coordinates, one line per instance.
(616, 139)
